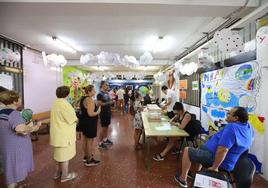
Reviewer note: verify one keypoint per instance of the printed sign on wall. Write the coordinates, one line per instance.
(6, 81)
(195, 85)
(183, 84)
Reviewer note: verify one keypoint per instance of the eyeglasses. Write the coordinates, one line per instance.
(229, 114)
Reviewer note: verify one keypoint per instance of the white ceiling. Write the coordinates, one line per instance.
(114, 26)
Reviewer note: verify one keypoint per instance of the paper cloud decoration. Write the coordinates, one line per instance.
(228, 41)
(56, 60)
(108, 58)
(189, 68)
(205, 60)
(146, 58)
(160, 77)
(88, 58)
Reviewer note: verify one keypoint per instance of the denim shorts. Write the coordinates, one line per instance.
(201, 155)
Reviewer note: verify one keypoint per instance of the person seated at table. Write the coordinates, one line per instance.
(183, 120)
(223, 149)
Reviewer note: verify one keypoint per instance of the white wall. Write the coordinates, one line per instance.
(192, 109)
(260, 144)
(40, 82)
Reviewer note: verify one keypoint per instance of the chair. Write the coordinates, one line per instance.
(243, 172)
(186, 140)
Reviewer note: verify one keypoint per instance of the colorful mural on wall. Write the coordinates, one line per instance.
(225, 88)
(75, 79)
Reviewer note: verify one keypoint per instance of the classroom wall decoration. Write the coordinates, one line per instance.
(183, 84)
(195, 85)
(73, 77)
(228, 41)
(225, 88)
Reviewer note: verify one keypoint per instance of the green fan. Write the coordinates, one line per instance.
(27, 114)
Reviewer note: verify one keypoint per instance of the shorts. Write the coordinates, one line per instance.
(89, 129)
(170, 114)
(105, 121)
(201, 155)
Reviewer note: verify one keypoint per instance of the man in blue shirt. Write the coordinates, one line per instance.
(223, 149)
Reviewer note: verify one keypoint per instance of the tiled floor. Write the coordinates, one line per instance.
(121, 166)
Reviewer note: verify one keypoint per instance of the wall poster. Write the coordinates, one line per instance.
(225, 88)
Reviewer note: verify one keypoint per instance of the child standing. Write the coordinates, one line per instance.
(137, 121)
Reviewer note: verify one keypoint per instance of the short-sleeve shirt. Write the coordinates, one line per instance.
(120, 93)
(106, 109)
(237, 137)
(171, 94)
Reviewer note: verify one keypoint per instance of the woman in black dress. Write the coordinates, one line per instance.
(88, 121)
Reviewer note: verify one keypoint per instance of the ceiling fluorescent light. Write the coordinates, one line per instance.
(158, 44)
(63, 45)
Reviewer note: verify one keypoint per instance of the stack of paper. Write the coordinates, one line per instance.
(165, 127)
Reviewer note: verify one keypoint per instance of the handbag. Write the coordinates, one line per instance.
(211, 179)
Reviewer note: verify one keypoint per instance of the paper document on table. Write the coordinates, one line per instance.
(165, 127)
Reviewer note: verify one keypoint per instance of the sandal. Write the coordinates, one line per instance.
(158, 158)
(70, 177)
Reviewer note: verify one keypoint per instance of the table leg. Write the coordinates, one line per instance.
(148, 160)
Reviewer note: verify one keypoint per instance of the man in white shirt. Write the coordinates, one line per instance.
(120, 93)
(170, 101)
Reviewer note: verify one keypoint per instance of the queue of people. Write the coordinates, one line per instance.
(221, 151)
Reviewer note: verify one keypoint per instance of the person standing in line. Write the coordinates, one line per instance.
(88, 120)
(63, 134)
(169, 102)
(16, 146)
(120, 94)
(126, 100)
(137, 121)
(103, 100)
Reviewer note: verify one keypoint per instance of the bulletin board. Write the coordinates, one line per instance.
(225, 88)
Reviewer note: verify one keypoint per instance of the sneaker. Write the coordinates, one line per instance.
(84, 159)
(107, 142)
(102, 146)
(158, 158)
(70, 177)
(179, 181)
(92, 162)
(190, 175)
